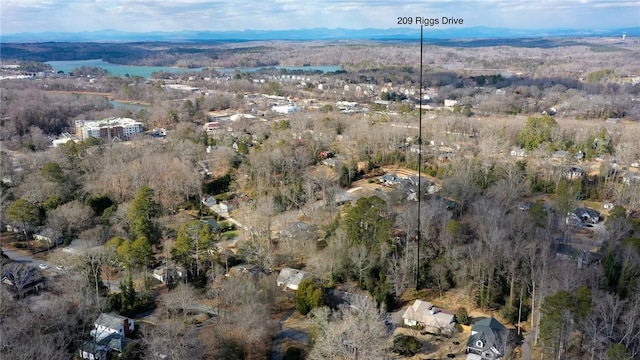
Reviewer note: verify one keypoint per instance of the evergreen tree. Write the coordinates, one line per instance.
(536, 131)
(141, 213)
(367, 222)
(194, 243)
(308, 296)
(556, 322)
(24, 213)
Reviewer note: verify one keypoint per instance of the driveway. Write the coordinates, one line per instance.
(526, 345)
(286, 333)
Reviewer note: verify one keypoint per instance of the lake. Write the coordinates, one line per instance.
(134, 108)
(145, 71)
(115, 69)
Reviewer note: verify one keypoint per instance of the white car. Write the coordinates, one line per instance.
(43, 266)
(60, 267)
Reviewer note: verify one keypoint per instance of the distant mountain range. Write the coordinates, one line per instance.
(402, 34)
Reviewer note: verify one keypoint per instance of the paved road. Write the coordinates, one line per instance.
(26, 259)
(526, 345)
(286, 333)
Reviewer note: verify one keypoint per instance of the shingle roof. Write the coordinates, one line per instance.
(425, 313)
(289, 276)
(111, 321)
(488, 332)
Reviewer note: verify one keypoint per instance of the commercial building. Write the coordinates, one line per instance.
(110, 128)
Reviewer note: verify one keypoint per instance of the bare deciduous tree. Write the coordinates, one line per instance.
(354, 332)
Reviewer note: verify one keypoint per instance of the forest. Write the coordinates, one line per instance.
(536, 141)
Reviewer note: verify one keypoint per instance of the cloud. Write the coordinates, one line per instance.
(159, 15)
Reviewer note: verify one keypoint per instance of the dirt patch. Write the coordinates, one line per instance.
(298, 322)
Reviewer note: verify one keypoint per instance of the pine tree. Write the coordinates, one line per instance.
(141, 213)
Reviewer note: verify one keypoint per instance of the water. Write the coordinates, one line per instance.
(145, 71)
(115, 69)
(134, 108)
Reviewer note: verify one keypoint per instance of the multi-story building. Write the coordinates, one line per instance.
(109, 128)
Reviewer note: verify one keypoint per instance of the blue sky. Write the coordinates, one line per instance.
(173, 15)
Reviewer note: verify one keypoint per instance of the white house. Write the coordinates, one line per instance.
(107, 324)
(290, 278)
(50, 236)
(450, 103)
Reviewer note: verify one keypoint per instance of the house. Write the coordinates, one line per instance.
(209, 201)
(248, 270)
(560, 154)
(90, 350)
(109, 334)
(423, 181)
(488, 340)
(102, 348)
(22, 280)
(630, 177)
(331, 162)
(49, 236)
(450, 103)
(587, 215)
(431, 318)
(211, 127)
(581, 257)
(389, 179)
(107, 324)
(573, 220)
(574, 172)
(285, 109)
(211, 222)
(169, 274)
(326, 154)
(290, 278)
(518, 152)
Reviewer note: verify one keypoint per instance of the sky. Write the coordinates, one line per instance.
(35, 16)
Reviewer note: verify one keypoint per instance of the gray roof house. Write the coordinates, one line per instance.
(582, 258)
(169, 274)
(488, 340)
(587, 215)
(212, 222)
(389, 179)
(109, 334)
(433, 319)
(101, 349)
(290, 278)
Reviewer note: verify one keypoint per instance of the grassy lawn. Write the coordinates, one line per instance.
(228, 235)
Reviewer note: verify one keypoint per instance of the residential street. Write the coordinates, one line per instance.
(26, 259)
